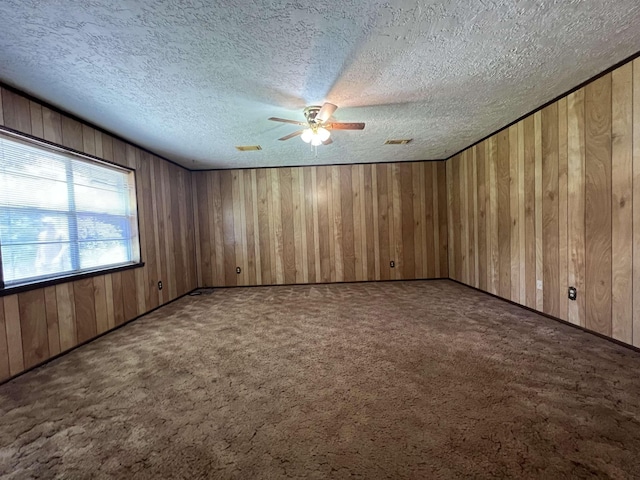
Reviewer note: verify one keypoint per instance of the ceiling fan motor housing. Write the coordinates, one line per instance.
(310, 113)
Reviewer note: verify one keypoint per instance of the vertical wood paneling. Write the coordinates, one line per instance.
(13, 334)
(51, 308)
(66, 316)
(550, 225)
(494, 284)
(323, 224)
(481, 189)
(504, 216)
(514, 207)
(576, 166)
(346, 223)
(575, 205)
(598, 204)
(85, 309)
(4, 348)
(538, 179)
(636, 202)
(33, 327)
(529, 212)
(622, 204)
(407, 225)
(563, 179)
(288, 238)
(440, 193)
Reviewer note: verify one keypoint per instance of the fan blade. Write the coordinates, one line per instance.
(291, 135)
(344, 126)
(325, 112)
(284, 120)
(328, 141)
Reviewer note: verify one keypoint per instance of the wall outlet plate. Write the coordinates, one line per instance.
(160, 285)
(392, 264)
(539, 284)
(238, 270)
(573, 293)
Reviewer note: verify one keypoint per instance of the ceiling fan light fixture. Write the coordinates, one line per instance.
(315, 141)
(307, 135)
(324, 134)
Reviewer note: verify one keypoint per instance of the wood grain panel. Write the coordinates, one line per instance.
(622, 204)
(85, 309)
(575, 205)
(407, 224)
(439, 190)
(16, 111)
(66, 316)
(347, 218)
(14, 334)
(550, 225)
(33, 327)
(504, 215)
(563, 191)
(636, 202)
(288, 236)
(598, 205)
(53, 331)
(481, 189)
(529, 212)
(514, 208)
(4, 348)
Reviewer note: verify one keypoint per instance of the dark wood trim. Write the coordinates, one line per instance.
(551, 317)
(319, 165)
(92, 339)
(326, 283)
(559, 97)
(67, 279)
(68, 114)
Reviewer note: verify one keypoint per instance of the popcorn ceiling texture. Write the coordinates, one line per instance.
(192, 79)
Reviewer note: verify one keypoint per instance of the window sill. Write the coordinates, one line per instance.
(71, 278)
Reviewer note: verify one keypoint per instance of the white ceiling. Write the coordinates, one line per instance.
(191, 79)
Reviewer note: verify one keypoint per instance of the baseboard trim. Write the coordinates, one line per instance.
(551, 317)
(86, 342)
(326, 283)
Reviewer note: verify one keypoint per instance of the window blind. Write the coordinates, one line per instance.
(62, 214)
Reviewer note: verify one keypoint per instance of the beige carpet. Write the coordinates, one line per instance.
(384, 380)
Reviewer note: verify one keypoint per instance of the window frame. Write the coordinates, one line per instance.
(67, 277)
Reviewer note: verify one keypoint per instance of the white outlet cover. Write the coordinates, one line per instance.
(539, 284)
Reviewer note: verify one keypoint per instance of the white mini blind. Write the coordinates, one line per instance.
(62, 214)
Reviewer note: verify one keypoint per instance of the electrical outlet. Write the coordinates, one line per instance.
(539, 284)
(392, 264)
(573, 293)
(238, 270)
(160, 285)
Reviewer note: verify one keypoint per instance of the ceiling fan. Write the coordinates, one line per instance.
(318, 127)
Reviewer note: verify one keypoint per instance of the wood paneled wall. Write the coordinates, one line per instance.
(554, 201)
(38, 324)
(321, 224)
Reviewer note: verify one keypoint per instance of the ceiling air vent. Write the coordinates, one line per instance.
(402, 141)
(248, 148)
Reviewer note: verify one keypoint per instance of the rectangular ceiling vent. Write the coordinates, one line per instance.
(402, 141)
(248, 148)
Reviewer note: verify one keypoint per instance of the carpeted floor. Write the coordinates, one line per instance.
(381, 380)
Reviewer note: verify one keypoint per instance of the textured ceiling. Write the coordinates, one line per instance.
(192, 79)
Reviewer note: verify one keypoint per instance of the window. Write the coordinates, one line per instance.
(62, 214)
